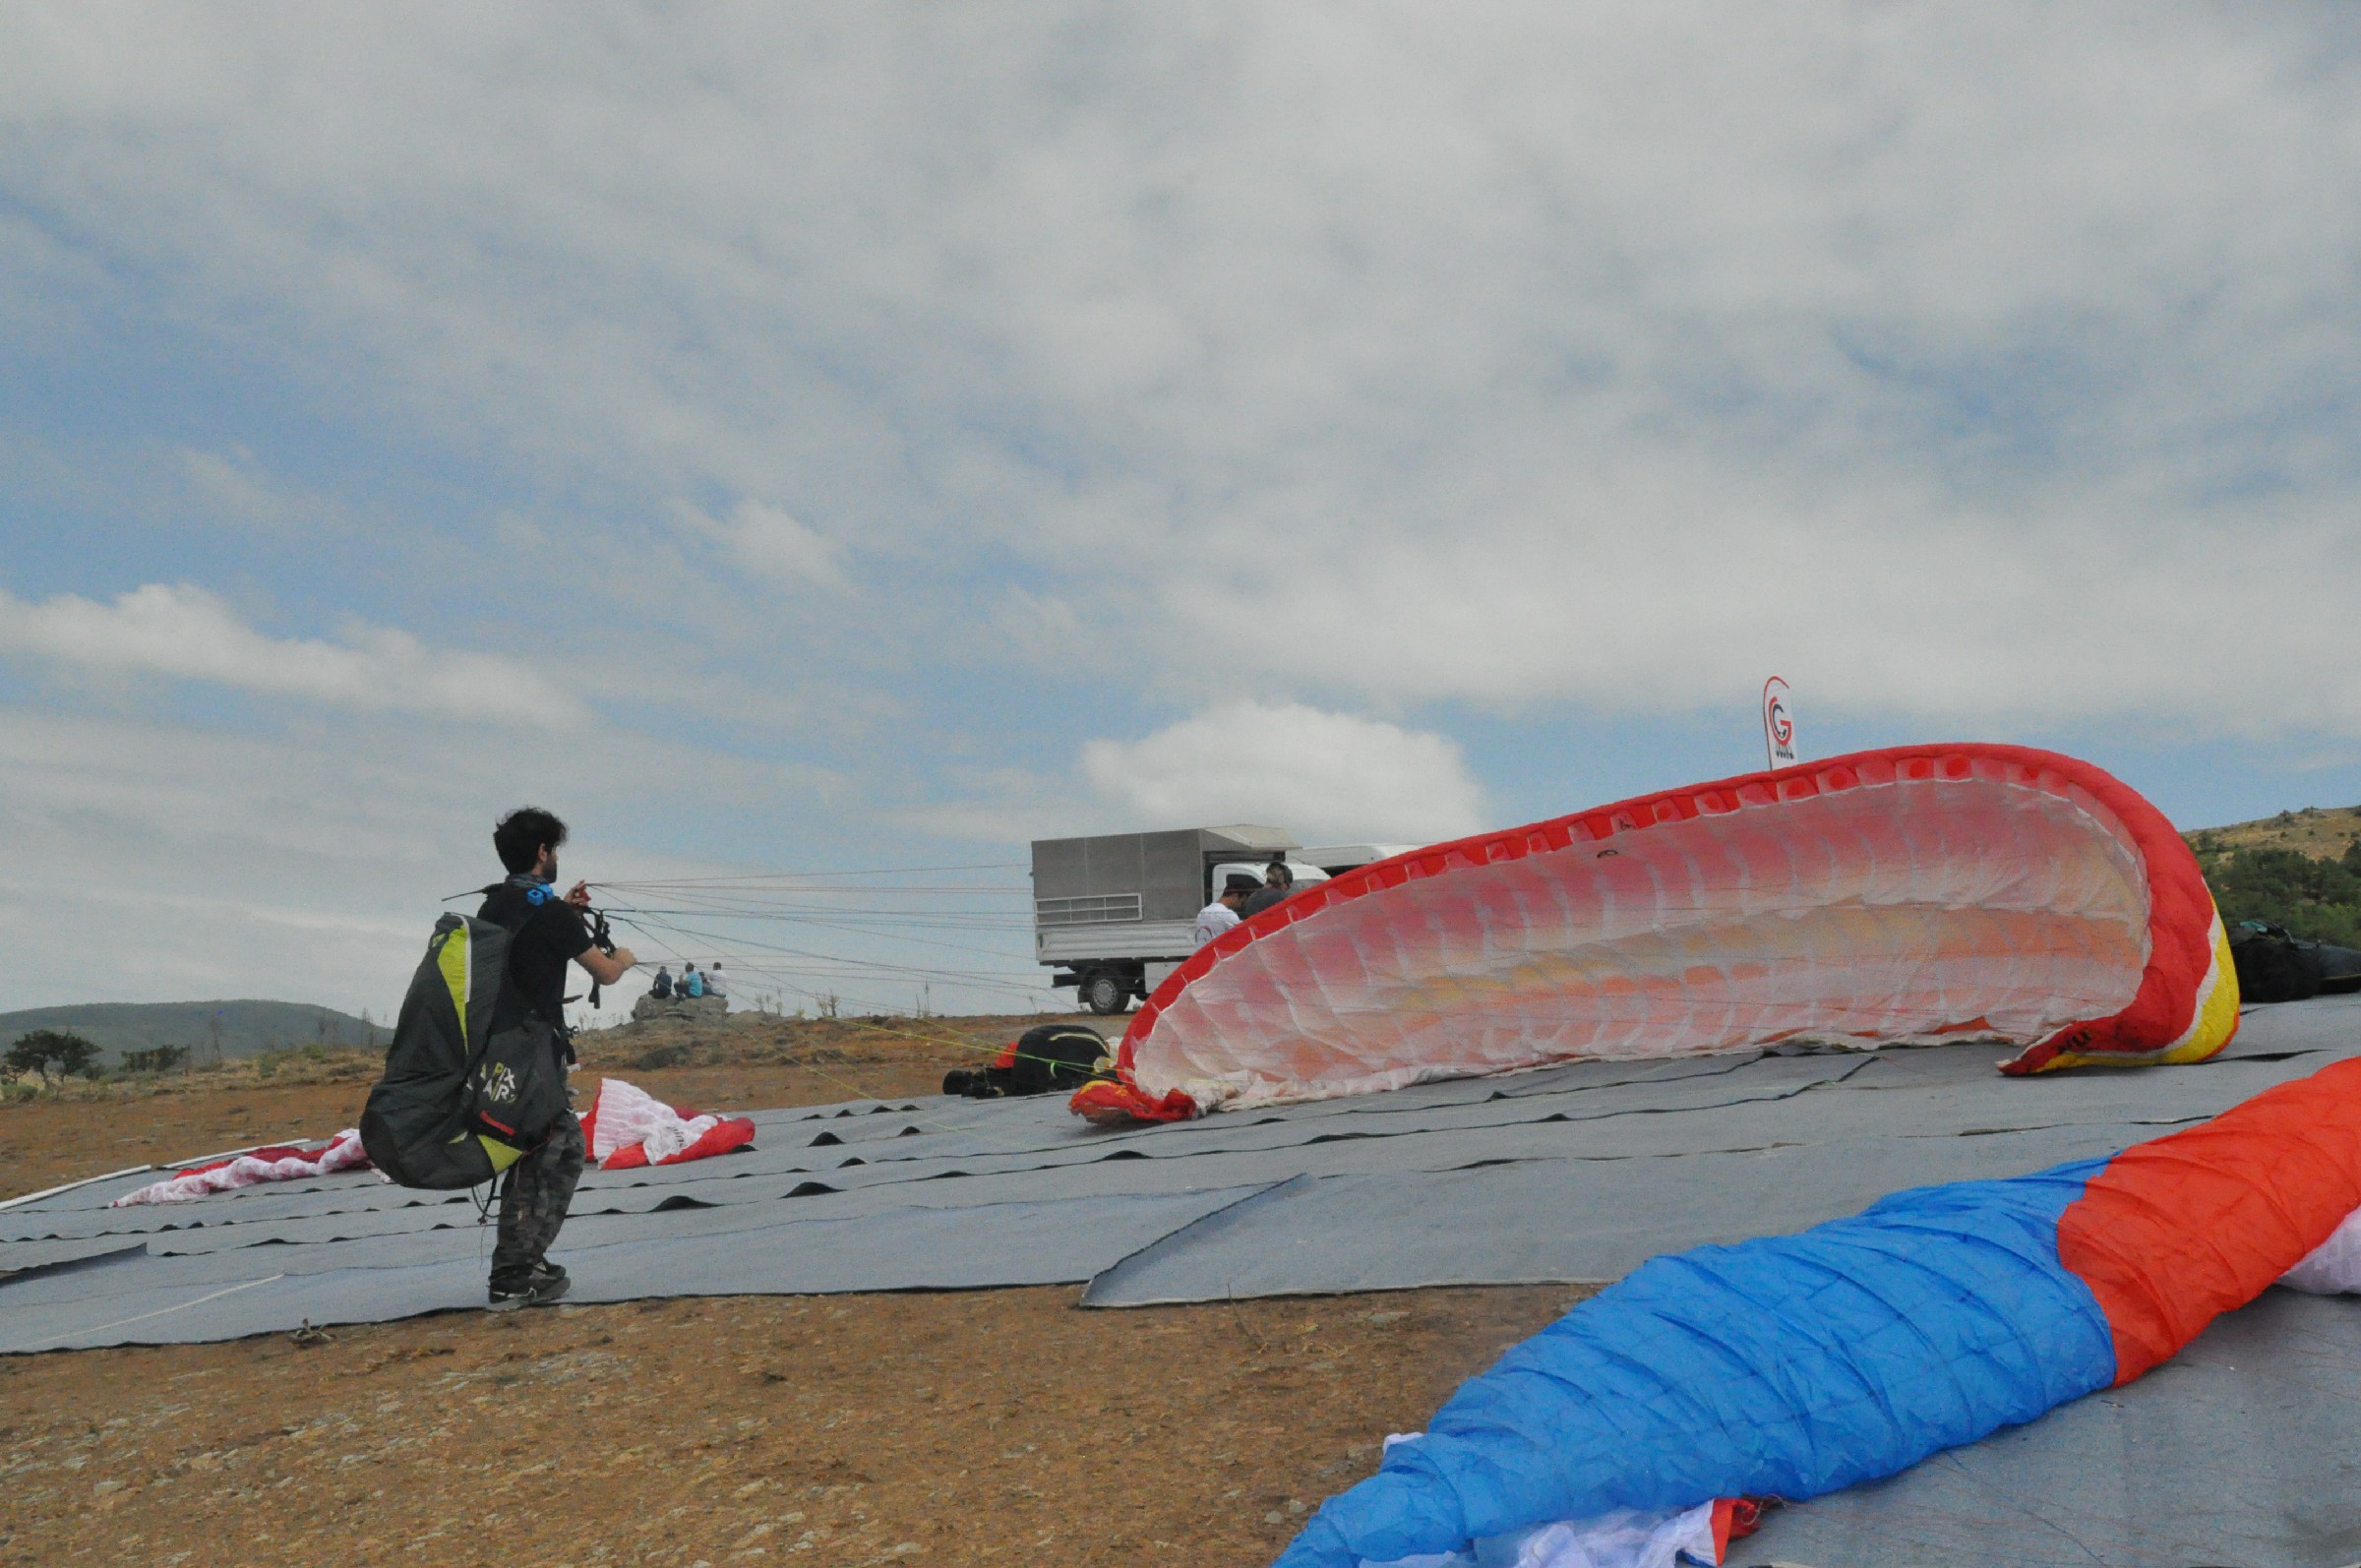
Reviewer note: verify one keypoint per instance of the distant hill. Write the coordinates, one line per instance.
(240, 1027)
(2317, 832)
(2301, 869)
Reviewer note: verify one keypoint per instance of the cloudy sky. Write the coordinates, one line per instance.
(856, 437)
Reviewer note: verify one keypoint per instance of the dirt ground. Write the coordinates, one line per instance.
(965, 1427)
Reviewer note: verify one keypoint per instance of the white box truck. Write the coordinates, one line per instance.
(1113, 914)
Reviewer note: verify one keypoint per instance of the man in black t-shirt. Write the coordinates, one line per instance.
(546, 933)
(1277, 883)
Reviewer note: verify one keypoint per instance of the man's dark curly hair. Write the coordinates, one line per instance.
(520, 834)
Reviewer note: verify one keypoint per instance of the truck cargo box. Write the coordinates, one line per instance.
(1105, 908)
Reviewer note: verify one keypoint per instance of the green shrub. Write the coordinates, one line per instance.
(52, 1053)
(2316, 898)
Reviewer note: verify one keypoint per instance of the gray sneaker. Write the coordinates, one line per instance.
(546, 1285)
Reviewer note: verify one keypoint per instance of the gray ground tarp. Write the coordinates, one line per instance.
(2238, 1451)
(148, 1298)
(1570, 1174)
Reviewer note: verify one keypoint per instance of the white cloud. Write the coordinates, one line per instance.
(155, 861)
(1327, 777)
(233, 485)
(185, 634)
(1686, 592)
(1978, 364)
(1607, 352)
(766, 540)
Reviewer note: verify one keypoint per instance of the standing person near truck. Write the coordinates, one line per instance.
(1222, 913)
(546, 932)
(1277, 883)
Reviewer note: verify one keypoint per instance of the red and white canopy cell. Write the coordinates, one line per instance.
(1909, 894)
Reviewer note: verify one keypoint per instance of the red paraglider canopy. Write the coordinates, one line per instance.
(1905, 894)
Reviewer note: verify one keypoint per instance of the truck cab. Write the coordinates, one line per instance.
(1115, 914)
(1333, 860)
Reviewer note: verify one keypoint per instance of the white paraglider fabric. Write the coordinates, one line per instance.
(1627, 1538)
(278, 1164)
(2333, 1268)
(624, 1115)
(1869, 917)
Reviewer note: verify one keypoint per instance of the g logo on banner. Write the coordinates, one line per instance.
(1778, 724)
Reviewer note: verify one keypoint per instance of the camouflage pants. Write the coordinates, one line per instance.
(533, 1200)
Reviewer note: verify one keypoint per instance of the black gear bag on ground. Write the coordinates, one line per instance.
(458, 1103)
(2273, 965)
(1054, 1059)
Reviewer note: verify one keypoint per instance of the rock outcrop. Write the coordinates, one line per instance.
(701, 1009)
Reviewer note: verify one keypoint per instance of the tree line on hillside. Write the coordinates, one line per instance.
(2316, 898)
(58, 1053)
(53, 1054)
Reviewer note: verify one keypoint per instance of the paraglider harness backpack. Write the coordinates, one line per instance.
(1052, 1058)
(459, 1103)
(2275, 964)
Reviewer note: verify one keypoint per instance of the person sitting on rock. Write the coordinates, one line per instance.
(692, 986)
(714, 985)
(662, 989)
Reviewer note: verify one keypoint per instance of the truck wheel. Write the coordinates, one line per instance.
(1105, 992)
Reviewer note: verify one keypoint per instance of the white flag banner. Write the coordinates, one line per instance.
(1779, 723)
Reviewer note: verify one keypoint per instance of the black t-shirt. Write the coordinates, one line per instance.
(547, 935)
(1263, 898)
